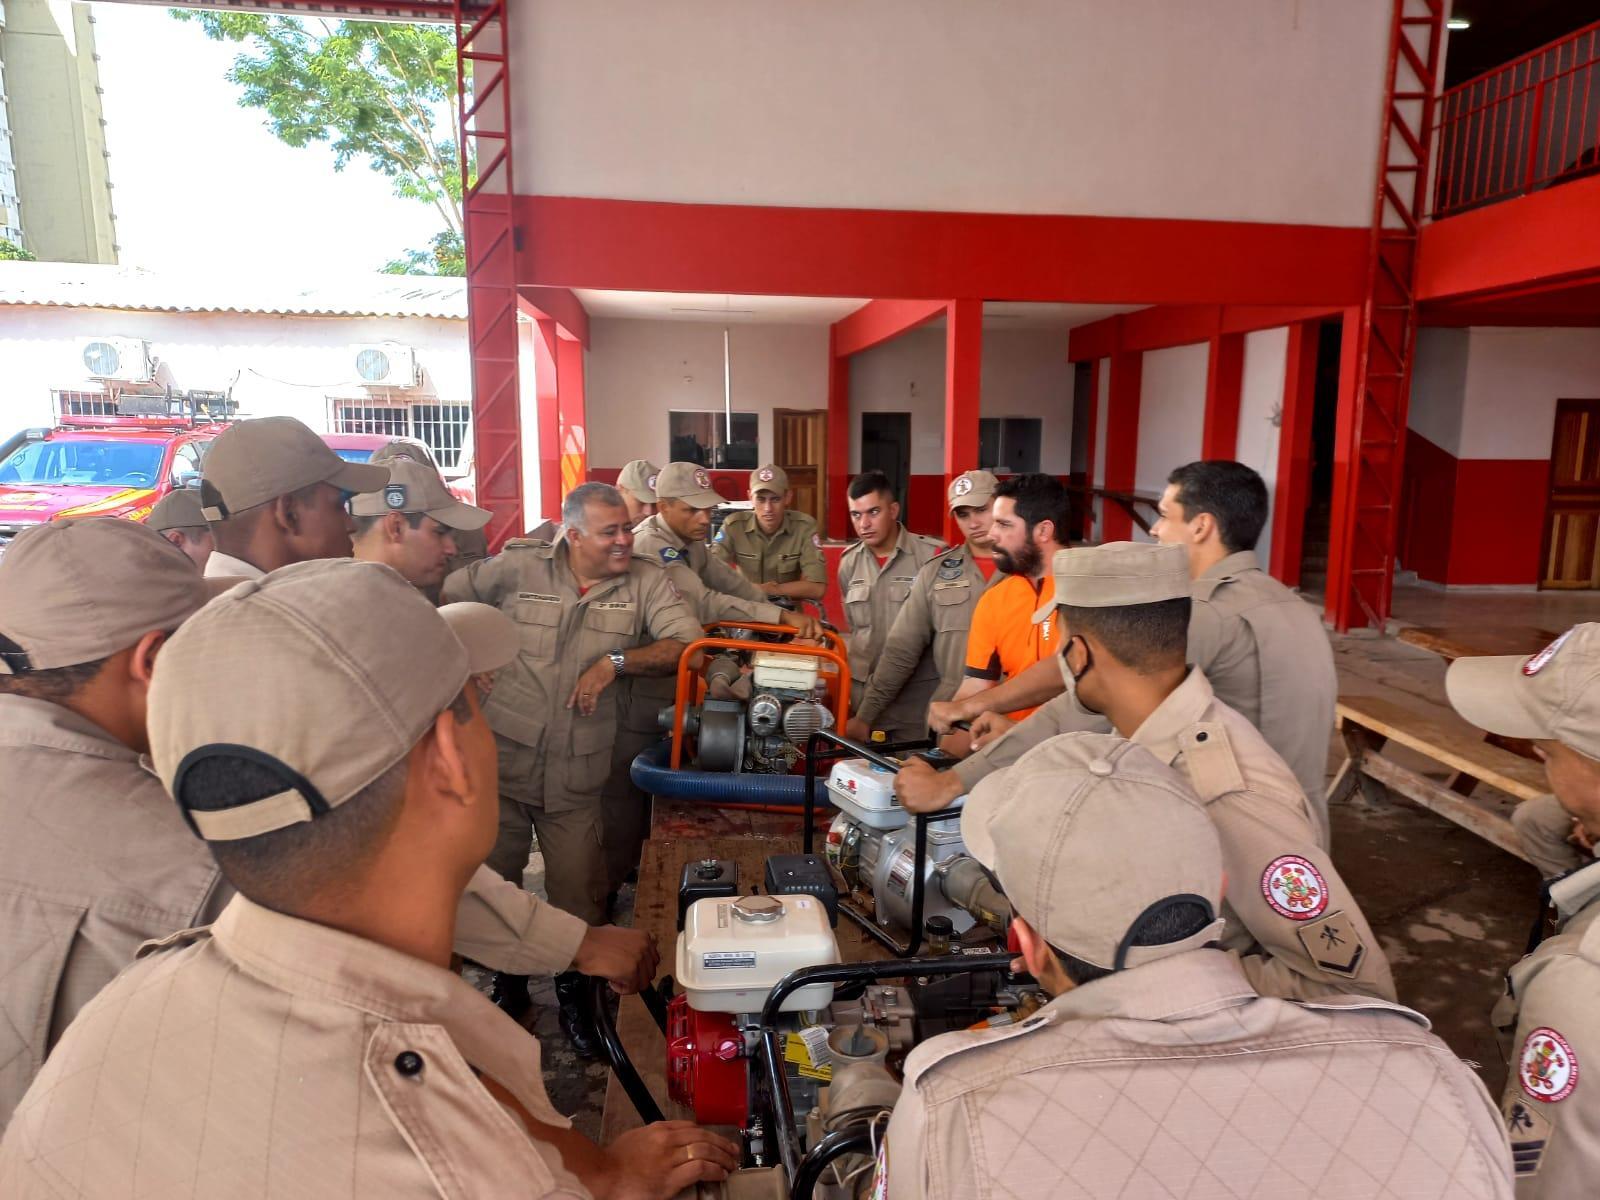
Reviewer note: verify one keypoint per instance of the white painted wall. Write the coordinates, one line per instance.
(1266, 354)
(1438, 386)
(1172, 412)
(274, 365)
(1253, 110)
(1491, 392)
(637, 372)
(1025, 373)
(1514, 378)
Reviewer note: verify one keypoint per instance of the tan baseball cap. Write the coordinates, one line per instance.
(639, 479)
(687, 482)
(971, 489)
(77, 591)
(1088, 832)
(297, 672)
(1117, 574)
(1552, 695)
(253, 462)
(414, 488)
(403, 448)
(178, 509)
(770, 478)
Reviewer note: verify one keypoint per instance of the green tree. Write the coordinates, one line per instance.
(11, 252)
(370, 90)
(446, 256)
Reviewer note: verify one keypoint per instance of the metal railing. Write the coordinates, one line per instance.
(1527, 125)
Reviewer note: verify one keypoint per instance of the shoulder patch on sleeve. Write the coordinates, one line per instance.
(671, 554)
(1547, 1068)
(1294, 888)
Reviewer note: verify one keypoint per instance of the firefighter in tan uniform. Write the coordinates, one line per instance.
(472, 543)
(1125, 611)
(1156, 1069)
(412, 525)
(1262, 647)
(1549, 1018)
(177, 517)
(938, 612)
(774, 546)
(675, 538)
(313, 1042)
(588, 614)
(876, 576)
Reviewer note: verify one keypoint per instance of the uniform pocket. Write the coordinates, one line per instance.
(898, 590)
(952, 610)
(36, 934)
(615, 622)
(538, 624)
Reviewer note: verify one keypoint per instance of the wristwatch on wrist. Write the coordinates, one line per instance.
(617, 662)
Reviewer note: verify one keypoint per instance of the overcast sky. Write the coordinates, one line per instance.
(201, 183)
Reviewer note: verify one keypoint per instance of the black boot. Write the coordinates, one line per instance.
(510, 994)
(576, 1024)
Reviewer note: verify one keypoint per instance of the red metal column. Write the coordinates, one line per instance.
(1122, 440)
(837, 515)
(963, 366)
(574, 413)
(1224, 380)
(1370, 449)
(483, 98)
(1294, 452)
(547, 391)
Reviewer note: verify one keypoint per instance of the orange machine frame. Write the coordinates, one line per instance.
(834, 653)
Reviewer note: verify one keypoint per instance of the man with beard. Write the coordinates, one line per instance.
(1030, 517)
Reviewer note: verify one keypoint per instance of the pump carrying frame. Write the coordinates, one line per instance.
(878, 757)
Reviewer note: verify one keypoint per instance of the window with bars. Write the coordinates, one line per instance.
(442, 428)
(85, 404)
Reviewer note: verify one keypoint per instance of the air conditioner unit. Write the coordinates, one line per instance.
(386, 364)
(126, 359)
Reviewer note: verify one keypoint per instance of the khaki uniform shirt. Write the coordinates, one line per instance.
(1290, 916)
(873, 597)
(1551, 1014)
(929, 630)
(792, 554)
(1176, 1079)
(1265, 651)
(95, 860)
(551, 754)
(269, 1056)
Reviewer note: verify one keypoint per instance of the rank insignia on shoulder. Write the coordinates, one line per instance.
(671, 554)
(1529, 1131)
(1334, 945)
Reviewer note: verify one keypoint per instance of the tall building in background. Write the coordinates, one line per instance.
(55, 176)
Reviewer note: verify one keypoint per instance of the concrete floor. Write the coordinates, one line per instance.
(1453, 912)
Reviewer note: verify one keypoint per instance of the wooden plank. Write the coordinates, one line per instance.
(1489, 819)
(1451, 642)
(1447, 740)
(679, 839)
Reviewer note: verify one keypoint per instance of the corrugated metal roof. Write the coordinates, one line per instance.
(79, 285)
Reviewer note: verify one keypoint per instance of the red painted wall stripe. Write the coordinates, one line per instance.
(1219, 437)
(1294, 452)
(1167, 325)
(963, 364)
(1122, 440)
(877, 321)
(579, 242)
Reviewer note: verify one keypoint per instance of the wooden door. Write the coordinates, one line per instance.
(801, 449)
(1572, 517)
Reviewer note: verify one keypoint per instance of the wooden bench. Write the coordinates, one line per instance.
(1369, 723)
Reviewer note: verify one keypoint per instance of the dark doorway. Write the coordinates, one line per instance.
(1083, 406)
(1319, 497)
(886, 447)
